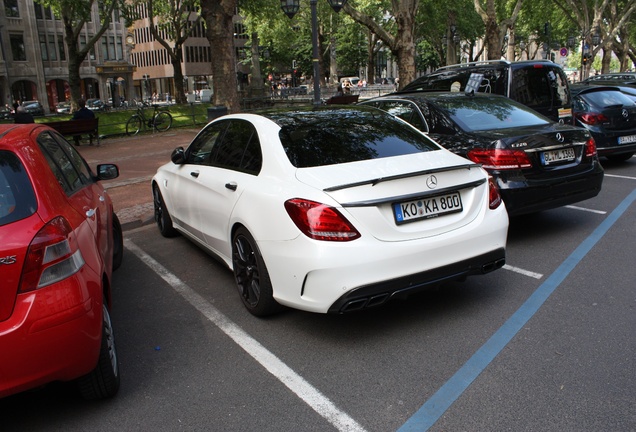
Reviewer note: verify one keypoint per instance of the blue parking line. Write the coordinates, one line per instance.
(435, 407)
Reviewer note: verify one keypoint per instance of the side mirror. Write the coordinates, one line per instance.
(178, 156)
(107, 171)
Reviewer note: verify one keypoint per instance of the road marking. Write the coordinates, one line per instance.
(305, 391)
(446, 395)
(522, 271)
(620, 176)
(587, 209)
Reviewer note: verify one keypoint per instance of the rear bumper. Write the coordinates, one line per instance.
(534, 196)
(377, 294)
(53, 334)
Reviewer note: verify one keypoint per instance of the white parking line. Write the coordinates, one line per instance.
(620, 176)
(586, 209)
(522, 271)
(305, 391)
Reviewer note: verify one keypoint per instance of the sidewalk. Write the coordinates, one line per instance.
(138, 159)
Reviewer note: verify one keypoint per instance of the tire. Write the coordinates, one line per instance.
(620, 157)
(133, 126)
(118, 243)
(162, 121)
(103, 381)
(162, 217)
(252, 278)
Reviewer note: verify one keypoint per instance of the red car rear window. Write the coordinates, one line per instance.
(17, 199)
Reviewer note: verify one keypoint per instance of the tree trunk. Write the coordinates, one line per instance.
(220, 30)
(179, 95)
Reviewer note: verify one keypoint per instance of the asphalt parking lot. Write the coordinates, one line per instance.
(545, 344)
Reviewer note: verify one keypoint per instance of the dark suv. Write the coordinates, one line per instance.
(538, 84)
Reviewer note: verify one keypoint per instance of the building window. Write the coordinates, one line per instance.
(17, 47)
(60, 45)
(43, 50)
(52, 51)
(11, 8)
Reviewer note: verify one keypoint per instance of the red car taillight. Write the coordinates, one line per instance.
(52, 256)
(494, 198)
(319, 221)
(501, 159)
(590, 147)
(591, 118)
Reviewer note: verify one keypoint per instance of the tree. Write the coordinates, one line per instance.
(74, 15)
(396, 33)
(220, 32)
(496, 29)
(175, 21)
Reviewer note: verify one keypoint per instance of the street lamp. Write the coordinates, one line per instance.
(291, 7)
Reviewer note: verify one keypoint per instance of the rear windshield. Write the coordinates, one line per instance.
(17, 199)
(488, 113)
(327, 137)
(608, 99)
(540, 86)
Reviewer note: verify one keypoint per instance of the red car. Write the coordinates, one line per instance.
(59, 243)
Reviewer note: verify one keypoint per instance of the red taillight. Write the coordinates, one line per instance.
(494, 199)
(501, 159)
(590, 147)
(52, 256)
(319, 221)
(592, 118)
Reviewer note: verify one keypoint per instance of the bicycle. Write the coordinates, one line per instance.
(161, 120)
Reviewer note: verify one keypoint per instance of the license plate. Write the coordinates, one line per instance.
(627, 139)
(427, 208)
(550, 157)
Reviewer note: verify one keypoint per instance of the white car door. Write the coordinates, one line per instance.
(214, 187)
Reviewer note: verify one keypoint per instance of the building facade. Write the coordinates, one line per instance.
(34, 63)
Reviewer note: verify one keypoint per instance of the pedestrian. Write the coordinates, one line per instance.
(83, 113)
(21, 115)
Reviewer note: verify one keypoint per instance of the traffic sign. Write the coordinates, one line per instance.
(564, 52)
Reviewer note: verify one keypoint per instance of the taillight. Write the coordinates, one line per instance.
(592, 118)
(501, 159)
(52, 256)
(319, 221)
(590, 147)
(494, 198)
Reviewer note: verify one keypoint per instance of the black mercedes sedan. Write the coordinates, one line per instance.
(610, 116)
(537, 163)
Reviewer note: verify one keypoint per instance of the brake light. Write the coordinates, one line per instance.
(494, 198)
(592, 118)
(53, 255)
(501, 159)
(319, 221)
(590, 147)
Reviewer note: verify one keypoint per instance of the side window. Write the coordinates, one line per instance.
(71, 173)
(200, 150)
(407, 111)
(238, 149)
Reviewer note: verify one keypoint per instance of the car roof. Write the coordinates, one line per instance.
(437, 95)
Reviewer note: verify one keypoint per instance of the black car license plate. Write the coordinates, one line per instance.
(555, 156)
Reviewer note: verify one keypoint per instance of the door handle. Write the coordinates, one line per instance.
(231, 186)
(90, 213)
(194, 174)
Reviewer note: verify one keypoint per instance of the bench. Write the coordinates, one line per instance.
(77, 127)
(342, 100)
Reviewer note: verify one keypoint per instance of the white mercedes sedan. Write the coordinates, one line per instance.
(330, 209)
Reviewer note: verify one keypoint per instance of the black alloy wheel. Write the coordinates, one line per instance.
(162, 217)
(252, 278)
